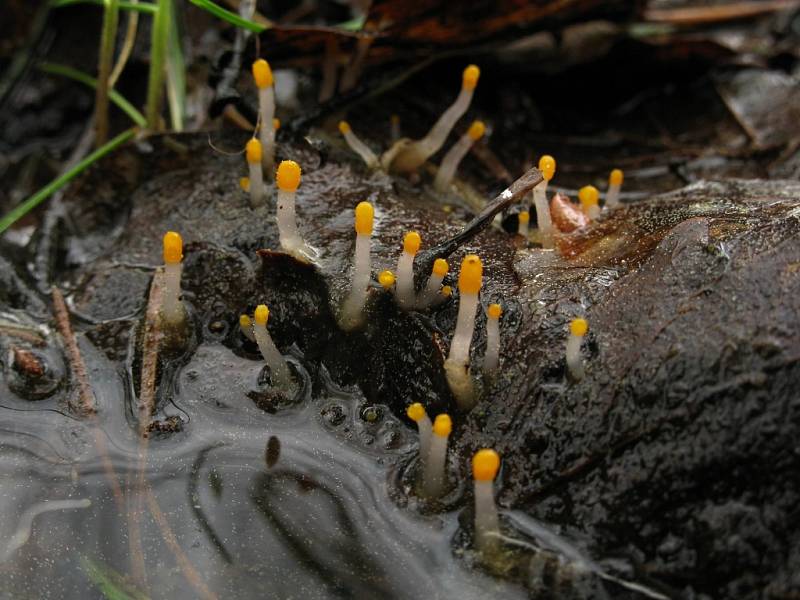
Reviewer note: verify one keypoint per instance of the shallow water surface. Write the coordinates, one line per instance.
(291, 503)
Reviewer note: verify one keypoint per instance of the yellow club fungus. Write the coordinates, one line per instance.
(288, 180)
(523, 220)
(404, 291)
(255, 183)
(492, 356)
(408, 155)
(432, 289)
(416, 412)
(357, 146)
(614, 185)
(394, 128)
(456, 154)
(485, 464)
(443, 296)
(577, 329)
(246, 327)
(279, 369)
(386, 279)
(470, 280)
(353, 307)
(547, 165)
(434, 478)
(262, 73)
(172, 309)
(589, 197)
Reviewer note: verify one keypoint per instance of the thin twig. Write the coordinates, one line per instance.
(151, 340)
(697, 15)
(76, 363)
(189, 572)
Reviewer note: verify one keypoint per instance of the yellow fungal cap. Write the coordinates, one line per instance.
(261, 315)
(395, 119)
(471, 275)
(588, 195)
(244, 321)
(547, 165)
(485, 464)
(253, 151)
(364, 216)
(616, 177)
(447, 291)
(244, 183)
(411, 242)
(276, 123)
(173, 248)
(579, 327)
(415, 412)
(494, 311)
(470, 78)
(288, 175)
(386, 279)
(262, 73)
(524, 216)
(476, 130)
(442, 425)
(344, 127)
(440, 267)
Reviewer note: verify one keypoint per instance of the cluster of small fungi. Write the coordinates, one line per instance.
(405, 156)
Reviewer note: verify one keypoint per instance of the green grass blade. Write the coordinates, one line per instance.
(158, 51)
(110, 583)
(55, 185)
(80, 76)
(230, 17)
(145, 7)
(176, 75)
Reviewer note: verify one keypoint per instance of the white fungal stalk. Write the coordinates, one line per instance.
(436, 137)
(262, 73)
(433, 288)
(172, 310)
(456, 370)
(577, 330)
(253, 151)
(485, 465)
(416, 412)
(456, 154)
(288, 180)
(404, 290)
(407, 156)
(246, 327)
(357, 146)
(614, 185)
(492, 356)
(279, 369)
(434, 478)
(469, 284)
(353, 307)
(590, 197)
(522, 223)
(547, 165)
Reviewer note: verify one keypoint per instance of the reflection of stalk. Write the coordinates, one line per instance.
(107, 40)
(158, 49)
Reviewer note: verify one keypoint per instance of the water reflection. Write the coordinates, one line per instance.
(248, 503)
